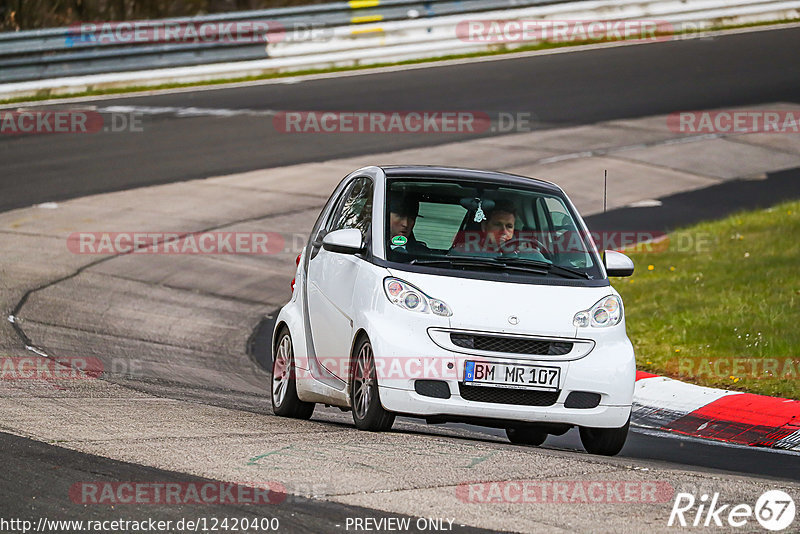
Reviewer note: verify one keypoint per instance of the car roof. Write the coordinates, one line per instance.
(434, 171)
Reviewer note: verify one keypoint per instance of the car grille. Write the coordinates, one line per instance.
(514, 345)
(519, 397)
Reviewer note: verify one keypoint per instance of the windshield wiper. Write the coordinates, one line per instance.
(487, 262)
(511, 264)
(550, 267)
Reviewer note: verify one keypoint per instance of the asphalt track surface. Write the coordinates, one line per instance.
(691, 207)
(561, 90)
(558, 90)
(36, 477)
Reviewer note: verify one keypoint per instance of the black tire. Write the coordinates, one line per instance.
(283, 390)
(604, 441)
(525, 435)
(365, 400)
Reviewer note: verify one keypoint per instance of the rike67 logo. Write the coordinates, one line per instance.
(774, 510)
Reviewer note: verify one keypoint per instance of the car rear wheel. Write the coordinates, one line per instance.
(368, 413)
(285, 401)
(522, 435)
(604, 441)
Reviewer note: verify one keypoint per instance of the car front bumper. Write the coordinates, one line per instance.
(403, 358)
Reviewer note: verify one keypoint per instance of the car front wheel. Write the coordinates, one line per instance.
(285, 401)
(368, 413)
(604, 441)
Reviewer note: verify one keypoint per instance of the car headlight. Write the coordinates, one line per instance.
(411, 298)
(607, 312)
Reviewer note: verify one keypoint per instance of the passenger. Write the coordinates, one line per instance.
(403, 213)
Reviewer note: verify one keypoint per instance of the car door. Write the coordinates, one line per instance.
(331, 280)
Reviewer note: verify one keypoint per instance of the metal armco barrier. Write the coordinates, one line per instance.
(49, 53)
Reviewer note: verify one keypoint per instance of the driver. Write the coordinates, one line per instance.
(495, 231)
(498, 227)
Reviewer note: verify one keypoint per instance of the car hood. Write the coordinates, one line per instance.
(544, 310)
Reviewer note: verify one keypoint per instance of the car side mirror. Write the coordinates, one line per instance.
(617, 263)
(344, 241)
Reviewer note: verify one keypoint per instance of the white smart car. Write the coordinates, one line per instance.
(457, 295)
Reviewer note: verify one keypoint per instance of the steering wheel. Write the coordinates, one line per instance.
(518, 244)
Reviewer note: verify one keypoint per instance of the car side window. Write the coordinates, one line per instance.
(356, 210)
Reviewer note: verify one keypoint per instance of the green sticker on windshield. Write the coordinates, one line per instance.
(399, 240)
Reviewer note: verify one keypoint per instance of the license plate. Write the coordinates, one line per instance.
(512, 375)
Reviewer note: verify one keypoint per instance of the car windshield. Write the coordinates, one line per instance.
(485, 226)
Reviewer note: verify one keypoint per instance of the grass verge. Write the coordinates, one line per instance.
(500, 50)
(718, 304)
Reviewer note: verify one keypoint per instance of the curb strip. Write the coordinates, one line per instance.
(722, 415)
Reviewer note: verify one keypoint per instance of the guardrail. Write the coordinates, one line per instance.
(73, 50)
(419, 38)
(64, 60)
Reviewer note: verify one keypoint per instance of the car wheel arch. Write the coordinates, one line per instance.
(276, 334)
(360, 333)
